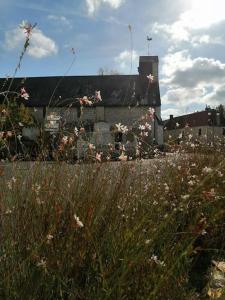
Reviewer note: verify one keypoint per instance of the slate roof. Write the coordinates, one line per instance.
(196, 119)
(116, 90)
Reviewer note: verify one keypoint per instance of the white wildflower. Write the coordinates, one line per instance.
(76, 131)
(151, 110)
(49, 237)
(98, 96)
(98, 157)
(123, 157)
(191, 182)
(150, 78)
(122, 128)
(157, 261)
(91, 147)
(154, 258)
(207, 170)
(166, 187)
(148, 126)
(79, 223)
(10, 183)
(65, 139)
(42, 263)
(204, 232)
(19, 136)
(141, 127)
(24, 94)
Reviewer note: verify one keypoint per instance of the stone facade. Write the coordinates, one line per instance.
(205, 127)
(110, 116)
(125, 99)
(203, 134)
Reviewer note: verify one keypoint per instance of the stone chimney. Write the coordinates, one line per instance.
(149, 91)
(171, 117)
(148, 65)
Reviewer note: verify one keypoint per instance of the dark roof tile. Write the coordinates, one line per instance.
(116, 90)
(196, 119)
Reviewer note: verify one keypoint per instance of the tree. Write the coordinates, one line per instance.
(106, 71)
(15, 115)
(221, 109)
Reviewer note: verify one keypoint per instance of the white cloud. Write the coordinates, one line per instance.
(59, 19)
(192, 80)
(40, 45)
(175, 31)
(126, 60)
(217, 96)
(181, 70)
(203, 13)
(192, 24)
(199, 40)
(183, 97)
(171, 111)
(175, 61)
(94, 5)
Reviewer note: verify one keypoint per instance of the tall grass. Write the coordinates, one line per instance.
(133, 230)
(137, 230)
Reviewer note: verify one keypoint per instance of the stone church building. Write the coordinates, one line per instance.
(125, 99)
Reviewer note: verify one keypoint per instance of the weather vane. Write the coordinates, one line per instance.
(148, 41)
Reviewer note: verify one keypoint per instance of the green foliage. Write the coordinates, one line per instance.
(15, 113)
(25, 116)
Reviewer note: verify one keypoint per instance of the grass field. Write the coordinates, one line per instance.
(124, 230)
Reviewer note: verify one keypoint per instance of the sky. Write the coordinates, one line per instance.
(187, 35)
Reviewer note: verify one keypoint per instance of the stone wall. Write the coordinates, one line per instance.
(111, 115)
(124, 115)
(37, 112)
(202, 133)
(128, 116)
(68, 114)
(88, 113)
